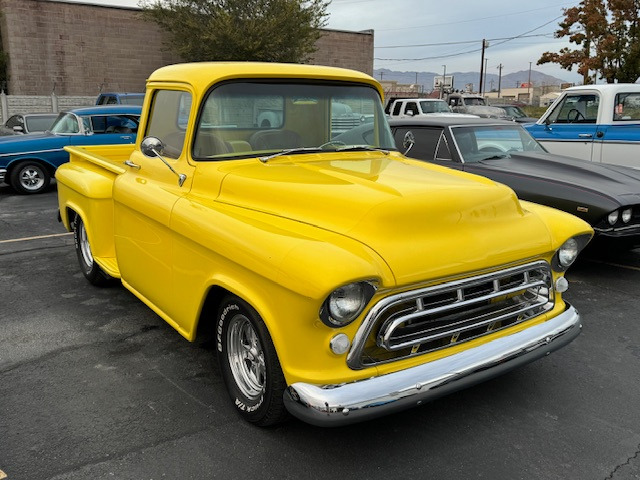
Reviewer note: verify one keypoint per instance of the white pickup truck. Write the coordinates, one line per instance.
(600, 123)
(420, 107)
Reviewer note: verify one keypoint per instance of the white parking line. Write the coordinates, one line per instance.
(26, 239)
(619, 265)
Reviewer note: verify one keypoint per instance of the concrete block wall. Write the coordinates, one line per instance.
(76, 49)
(13, 104)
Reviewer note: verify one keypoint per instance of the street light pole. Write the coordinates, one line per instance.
(444, 75)
(529, 85)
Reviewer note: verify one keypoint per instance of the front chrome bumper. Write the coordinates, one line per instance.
(335, 405)
(3, 173)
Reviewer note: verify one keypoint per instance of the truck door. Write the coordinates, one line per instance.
(571, 127)
(144, 197)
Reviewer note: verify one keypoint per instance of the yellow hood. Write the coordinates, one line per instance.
(425, 221)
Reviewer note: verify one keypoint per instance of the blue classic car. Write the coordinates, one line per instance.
(28, 162)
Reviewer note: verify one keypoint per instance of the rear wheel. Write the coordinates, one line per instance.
(89, 267)
(249, 363)
(29, 177)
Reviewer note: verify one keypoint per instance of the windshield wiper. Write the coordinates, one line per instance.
(289, 151)
(370, 148)
(321, 148)
(496, 157)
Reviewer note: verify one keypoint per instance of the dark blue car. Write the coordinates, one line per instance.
(27, 162)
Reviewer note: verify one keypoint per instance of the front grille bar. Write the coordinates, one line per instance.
(430, 318)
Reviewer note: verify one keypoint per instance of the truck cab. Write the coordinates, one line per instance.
(600, 123)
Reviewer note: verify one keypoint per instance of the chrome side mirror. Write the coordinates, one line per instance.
(408, 141)
(154, 147)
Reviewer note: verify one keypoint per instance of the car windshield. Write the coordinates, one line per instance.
(513, 111)
(487, 142)
(132, 99)
(437, 106)
(243, 119)
(65, 124)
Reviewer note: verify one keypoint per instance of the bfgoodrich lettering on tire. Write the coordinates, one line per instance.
(89, 267)
(249, 363)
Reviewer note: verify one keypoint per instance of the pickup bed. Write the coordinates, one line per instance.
(341, 280)
(600, 123)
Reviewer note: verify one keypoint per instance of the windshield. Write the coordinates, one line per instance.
(437, 106)
(474, 101)
(243, 119)
(66, 123)
(477, 143)
(132, 99)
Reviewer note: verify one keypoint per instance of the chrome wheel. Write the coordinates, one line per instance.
(85, 248)
(32, 178)
(246, 357)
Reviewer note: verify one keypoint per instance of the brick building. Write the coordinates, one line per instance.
(81, 49)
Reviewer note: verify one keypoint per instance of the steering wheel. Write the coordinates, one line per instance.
(577, 115)
(491, 149)
(337, 143)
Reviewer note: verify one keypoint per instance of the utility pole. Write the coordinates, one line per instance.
(484, 83)
(444, 75)
(499, 79)
(485, 44)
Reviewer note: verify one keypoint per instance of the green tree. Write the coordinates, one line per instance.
(244, 30)
(608, 39)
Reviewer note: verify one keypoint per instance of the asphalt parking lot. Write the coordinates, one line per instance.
(94, 385)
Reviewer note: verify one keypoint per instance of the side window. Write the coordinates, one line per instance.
(426, 140)
(14, 121)
(411, 108)
(576, 108)
(442, 151)
(168, 119)
(396, 108)
(627, 106)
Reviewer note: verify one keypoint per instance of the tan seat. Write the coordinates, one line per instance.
(275, 140)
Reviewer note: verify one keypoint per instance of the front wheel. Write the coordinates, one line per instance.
(89, 267)
(249, 363)
(29, 177)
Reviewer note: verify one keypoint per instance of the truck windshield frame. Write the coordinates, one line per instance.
(254, 118)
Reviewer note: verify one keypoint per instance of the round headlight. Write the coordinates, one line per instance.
(626, 215)
(346, 303)
(568, 252)
(612, 218)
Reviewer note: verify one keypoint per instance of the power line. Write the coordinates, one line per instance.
(504, 40)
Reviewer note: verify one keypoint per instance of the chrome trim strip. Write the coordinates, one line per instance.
(31, 153)
(335, 405)
(3, 173)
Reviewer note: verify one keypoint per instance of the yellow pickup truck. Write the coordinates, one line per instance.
(341, 280)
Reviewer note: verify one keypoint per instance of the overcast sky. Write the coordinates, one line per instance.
(426, 35)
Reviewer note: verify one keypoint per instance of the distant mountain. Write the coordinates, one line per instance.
(461, 79)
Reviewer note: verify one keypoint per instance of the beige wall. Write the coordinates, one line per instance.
(81, 49)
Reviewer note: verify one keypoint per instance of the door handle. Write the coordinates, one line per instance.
(585, 135)
(129, 163)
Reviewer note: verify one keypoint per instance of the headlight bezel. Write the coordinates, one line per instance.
(612, 218)
(628, 213)
(560, 262)
(362, 292)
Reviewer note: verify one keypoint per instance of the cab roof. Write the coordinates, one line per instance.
(201, 75)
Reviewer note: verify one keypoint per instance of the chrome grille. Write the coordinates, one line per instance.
(431, 318)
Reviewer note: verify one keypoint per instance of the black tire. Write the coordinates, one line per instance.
(249, 363)
(29, 177)
(90, 269)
